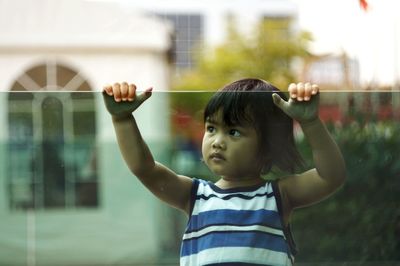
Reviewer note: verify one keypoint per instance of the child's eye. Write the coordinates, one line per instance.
(234, 133)
(210, 129)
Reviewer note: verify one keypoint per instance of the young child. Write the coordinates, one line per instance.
(242, 219)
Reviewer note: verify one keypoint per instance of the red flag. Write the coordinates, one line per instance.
(364, 5)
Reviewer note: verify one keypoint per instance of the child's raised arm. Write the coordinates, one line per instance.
(121, 100)
(329, 172)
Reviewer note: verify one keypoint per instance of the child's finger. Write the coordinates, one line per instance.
(300, 91)
(117, 92)
(307, 91)
(148, 91)
(108, 89)
(278, 101)
(131, 92)
(315, 89)
(124, 91)
(145, 95)
(292, 91)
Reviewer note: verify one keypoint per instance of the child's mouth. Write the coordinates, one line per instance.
(217, 157)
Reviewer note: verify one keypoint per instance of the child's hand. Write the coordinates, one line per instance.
(302, 104)
(121, 99)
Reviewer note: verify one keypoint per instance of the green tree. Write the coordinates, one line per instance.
(267, 53)
(361, 222)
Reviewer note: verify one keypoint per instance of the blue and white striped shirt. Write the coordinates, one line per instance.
(241, 226)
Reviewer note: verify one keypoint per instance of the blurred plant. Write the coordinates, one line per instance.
(267, 54)
(362, 221)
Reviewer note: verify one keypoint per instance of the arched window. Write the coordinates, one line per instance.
(52, 140)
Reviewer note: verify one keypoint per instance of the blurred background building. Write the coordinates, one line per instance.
(200, 23)
(66, 197)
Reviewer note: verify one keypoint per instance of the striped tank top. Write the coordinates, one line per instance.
(241, 226)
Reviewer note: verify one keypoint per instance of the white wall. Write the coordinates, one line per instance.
(125, 228)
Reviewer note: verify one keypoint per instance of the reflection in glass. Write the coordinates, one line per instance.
(52, 140)
(51, 151)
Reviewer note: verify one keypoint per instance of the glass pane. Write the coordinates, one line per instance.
(53, 170)
(49, 150)
(21, 127)
(84, 123)
(52, 118)
(87, 194)
(21, 196)
(67, 185)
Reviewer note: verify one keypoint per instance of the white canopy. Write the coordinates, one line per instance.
(78, 23)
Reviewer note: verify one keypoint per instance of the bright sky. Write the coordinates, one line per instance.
(372, 37)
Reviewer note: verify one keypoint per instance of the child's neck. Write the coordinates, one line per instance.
(227, 182)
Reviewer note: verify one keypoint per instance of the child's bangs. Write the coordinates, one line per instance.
(233, 106)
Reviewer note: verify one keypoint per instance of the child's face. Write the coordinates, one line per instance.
(230, 151)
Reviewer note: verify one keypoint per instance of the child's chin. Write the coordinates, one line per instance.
(219, 172)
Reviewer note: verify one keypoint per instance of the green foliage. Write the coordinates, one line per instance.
(267, 54)
(191, 103)
(361, 221)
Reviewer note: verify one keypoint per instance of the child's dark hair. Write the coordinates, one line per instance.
(273, 126)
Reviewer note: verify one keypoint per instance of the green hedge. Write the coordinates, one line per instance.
(361, 222)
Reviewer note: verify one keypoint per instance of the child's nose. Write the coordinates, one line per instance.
(219, 143)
